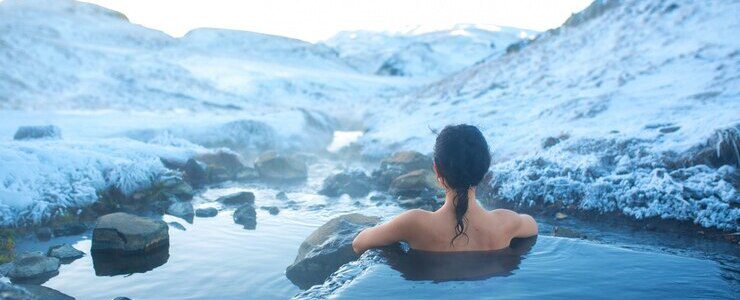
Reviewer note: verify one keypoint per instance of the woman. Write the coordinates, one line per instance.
(461, 159)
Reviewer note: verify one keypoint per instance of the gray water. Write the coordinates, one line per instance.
(217, 259)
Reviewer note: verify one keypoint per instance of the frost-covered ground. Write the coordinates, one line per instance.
(606, 113)
(619, 110)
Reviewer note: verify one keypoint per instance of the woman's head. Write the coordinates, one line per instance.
(461, 160)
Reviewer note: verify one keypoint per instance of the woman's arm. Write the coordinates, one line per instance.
(387, 233)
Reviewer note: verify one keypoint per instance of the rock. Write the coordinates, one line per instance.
(177, 226)
(69, 228)
(221, 165)
(378, 197)
(195, 173)
(281, 196)
(721, 148)
(34, 265)
(426, 203)
(13, 292)
(246, 215)
(273, 210)
(354, 183)
(112, 264)
(239, 198)
(246, 174)
(126, 233)
(326, 249)
(279, 167)
(413, 184)
(37, 132)
(206, 212)
(398, 164)
(669, 129)
(122, 298)
(43, 233)
(560, 216)
(549, 142)
(183, 210)
(64, 252)
(45, 293)
(177, 187)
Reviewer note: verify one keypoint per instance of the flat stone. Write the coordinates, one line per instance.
(64, 252)
(206, 212)
(239, 198)
(246, 215)
(122, 232)
(34, 264)
(326, 249)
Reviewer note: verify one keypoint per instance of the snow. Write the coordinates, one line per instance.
(627, 89)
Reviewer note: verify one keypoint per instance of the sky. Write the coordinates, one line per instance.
(316, 20)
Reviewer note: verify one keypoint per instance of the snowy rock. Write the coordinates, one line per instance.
(64, 252)
(414, 183)
(722, 148)
(206, 212)
(398, 164)
(37, 132)
(353, 183)
(272, 165)
(326, 249)
(246, 215)
(34, 265)
(126, 233)
(239, 198)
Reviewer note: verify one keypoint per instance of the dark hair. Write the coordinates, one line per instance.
(462, 158)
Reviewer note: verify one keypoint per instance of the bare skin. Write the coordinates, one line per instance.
(433, 231)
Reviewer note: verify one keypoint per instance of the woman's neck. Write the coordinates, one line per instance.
(449, 204)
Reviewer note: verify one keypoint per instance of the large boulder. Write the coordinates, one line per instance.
(414, 183)
(354, 183)
(327, 249)
(246, 215)
(64, 252)
(239, 198)
(126, 233)
(274, 166)
(34, 265)
(398, 164)
(37, 132)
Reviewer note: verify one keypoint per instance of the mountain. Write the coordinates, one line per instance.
(423, 54)
(630, 107)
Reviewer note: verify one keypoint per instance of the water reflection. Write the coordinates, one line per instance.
(441, 266)
(112, 264)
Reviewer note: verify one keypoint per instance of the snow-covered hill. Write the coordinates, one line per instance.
(631, 106)
(424, 54)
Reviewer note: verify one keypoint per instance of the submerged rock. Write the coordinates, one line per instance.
(34, 265)
(414, 183)
(280, 167)
(326, 249)
(354, 183)
(64, 252)
(398, 164)
(37, 132)
(206, 212)
(239, 198)
(182, 210)
(126, 233)
(246, 215)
